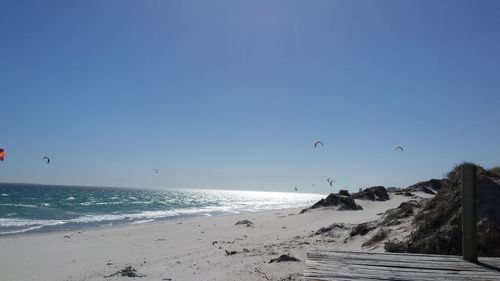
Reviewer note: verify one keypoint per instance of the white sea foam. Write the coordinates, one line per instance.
(26, 222)
(21, 230)
(142, 221)
(19, 205)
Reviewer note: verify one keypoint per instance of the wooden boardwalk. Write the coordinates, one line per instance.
(337, 265)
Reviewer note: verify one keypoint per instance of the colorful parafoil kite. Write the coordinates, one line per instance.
(316, 143)
(47, 159)
(399, 148)
(2, 154)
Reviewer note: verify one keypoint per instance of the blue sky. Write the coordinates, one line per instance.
(233, 94)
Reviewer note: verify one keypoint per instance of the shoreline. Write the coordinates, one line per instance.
(187, 249)
(104, 227)
(47, 229)
(35, 210)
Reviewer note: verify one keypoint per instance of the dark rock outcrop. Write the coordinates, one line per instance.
(376, 193)
(334, 200)
(431, 186)
(344, 192)
(393, 189)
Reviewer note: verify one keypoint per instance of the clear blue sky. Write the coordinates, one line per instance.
(232, 94)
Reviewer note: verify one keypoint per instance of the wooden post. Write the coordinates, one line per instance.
(469, 214)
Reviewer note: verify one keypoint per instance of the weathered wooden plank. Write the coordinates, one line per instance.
(391, 272)
(424, 275)
(395, 274)
(458, 265)
(338, 265)
(478, 270)
(402, 261)
(492, 261)
(389, 255)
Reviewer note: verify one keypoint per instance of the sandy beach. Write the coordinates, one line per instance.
(203, 248)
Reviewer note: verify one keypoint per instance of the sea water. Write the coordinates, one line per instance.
(28, 208)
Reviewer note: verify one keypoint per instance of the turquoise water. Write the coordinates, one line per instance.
(28, 208)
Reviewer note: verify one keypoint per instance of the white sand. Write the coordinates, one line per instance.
(183, 250)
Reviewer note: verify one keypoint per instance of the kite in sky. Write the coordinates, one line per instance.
(316, 143)
(47, 159)
(2, 154)
(399, 148)
(330, 181)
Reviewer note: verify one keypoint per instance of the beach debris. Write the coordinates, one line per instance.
(215, 242)
(127, 272)
(247, 223)
(316, 143)
(400, 148)
(293, 277)
(46, 159)
(375, 193)
(269, 278)
(230, 253)
(2, 154)
(67, 236)
(284, 258)
(156, 171)
(245, 250)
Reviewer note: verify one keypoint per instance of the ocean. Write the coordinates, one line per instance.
(26, 208)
